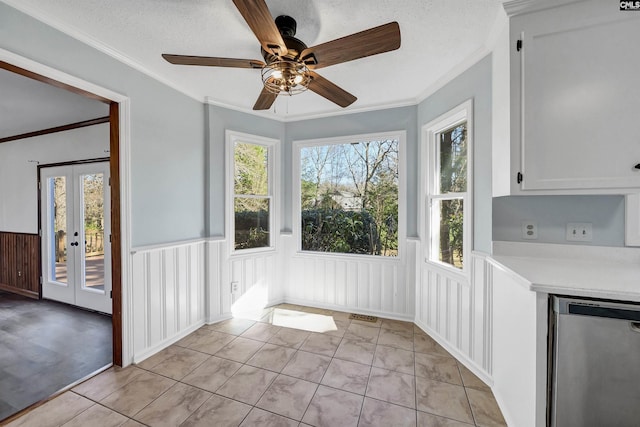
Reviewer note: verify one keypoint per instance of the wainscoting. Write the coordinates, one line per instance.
(168, 295)
(258, 276)
(456, 311)
(177, 288)
(367, 285)
(19, 264)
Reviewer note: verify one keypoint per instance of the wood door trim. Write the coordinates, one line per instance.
(71, 163)
(116, 250)
(55, 129)
(52, 82)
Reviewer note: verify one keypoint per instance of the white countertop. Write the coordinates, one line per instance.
(588, 271)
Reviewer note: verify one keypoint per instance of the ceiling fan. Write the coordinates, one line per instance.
(289, 64)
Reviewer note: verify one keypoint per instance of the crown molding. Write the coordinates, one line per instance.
(83, 37)
(453, 73)
(519, 7)
(310, 116)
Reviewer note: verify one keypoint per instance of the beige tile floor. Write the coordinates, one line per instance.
(243, 372)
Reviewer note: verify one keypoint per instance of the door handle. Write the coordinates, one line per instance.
(635, 326)
(74, 243)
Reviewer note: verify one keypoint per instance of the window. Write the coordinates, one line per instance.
(349, 194)
(250, 166)
(448, 141)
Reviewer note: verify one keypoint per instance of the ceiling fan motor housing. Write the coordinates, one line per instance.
(287, 26)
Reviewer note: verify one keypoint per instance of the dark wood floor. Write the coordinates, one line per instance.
(44, 347)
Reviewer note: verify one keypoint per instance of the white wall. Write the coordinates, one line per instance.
(457, 312)
(19, 170)
(168, 295)
(364, 284)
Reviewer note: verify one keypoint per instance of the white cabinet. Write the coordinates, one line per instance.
(575, 99)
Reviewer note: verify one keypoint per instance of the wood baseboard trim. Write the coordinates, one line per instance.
(23, 292)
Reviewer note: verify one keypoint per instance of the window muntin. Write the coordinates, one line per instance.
(251, 191)
(448, 195)
(349, 192)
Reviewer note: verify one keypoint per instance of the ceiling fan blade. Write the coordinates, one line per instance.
(209, 61)
(265, 100)
(333, 93)
(359, 45)
(259, 19)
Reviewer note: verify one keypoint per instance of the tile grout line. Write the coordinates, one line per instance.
(342, 339)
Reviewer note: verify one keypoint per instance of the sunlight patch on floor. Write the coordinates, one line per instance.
(301, 320)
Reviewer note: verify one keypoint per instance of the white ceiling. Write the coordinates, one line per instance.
(438, 37)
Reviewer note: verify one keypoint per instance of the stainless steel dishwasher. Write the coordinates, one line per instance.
(595, 378)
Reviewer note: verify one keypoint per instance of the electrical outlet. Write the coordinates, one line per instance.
(579, 232)
(529, 230)
(235, 287)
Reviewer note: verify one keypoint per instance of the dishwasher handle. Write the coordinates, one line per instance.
(635, 326)
(596, 308)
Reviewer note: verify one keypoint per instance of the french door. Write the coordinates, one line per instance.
(75, 221)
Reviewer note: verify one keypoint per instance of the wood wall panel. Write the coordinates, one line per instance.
(367, 285)
(457, 312)
(168, 295)
(20, 263)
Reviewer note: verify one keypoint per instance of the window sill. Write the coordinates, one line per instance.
(355, 257)
(251, 252)
(460, 275)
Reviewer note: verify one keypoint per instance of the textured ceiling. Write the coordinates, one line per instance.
(437, 37)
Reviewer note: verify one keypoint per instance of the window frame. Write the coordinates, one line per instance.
(273, 184)
(430, 178)
(401, 137)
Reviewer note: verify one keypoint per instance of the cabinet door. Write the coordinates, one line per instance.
(581, 105)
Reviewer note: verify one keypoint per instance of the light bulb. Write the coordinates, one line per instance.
(277, 74)
(298, 79)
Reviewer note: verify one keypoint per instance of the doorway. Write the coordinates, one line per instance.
(75, 223)
(119, 137)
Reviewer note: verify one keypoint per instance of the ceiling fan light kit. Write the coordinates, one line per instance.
(289, 63)
(285, 76)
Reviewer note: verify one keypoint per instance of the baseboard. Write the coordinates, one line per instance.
(334, 307)
(148, 352)
(466, 361)
(24, 292)
(217, 319)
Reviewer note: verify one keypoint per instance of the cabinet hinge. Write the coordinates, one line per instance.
(111, 294)
(519, 45)
(519, 178)
(41, 280)
(109, 238)
(39, 187)
(109, 181)
(40, 232)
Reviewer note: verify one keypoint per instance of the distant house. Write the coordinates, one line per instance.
(347, 201)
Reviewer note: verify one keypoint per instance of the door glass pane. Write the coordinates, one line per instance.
(251, 222)
(453, 160)
(93, 224)
(448, 232)
(58, 218)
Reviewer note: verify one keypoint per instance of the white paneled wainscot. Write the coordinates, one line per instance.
(363, 284)
(168, 294)
(257, 277)
(457, 311)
